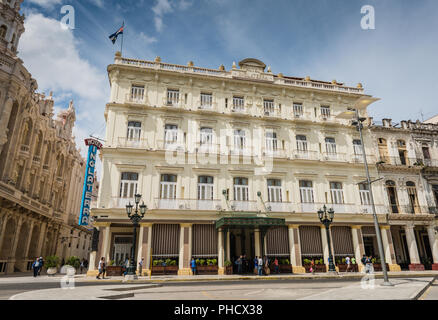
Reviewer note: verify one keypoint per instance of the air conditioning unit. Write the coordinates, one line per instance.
(297, 115)
(181, 206)
(233, 208)
(269, 208)
(218, 207)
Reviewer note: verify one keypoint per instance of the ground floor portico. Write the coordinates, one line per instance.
(219, 241)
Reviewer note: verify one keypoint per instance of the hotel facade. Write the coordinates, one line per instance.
(238, 162)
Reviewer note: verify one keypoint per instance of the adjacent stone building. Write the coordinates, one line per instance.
(238, 161)
(41, 169)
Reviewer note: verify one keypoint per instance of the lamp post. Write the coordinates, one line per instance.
(327, 220)
(135, 218)
(357, 121)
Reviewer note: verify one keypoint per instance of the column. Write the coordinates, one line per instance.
(413, 249)
(220, 251)
(11, 259)
(185, 250)
(106, 243)
(359, 249)
(257, 248)
(295, 249)
(388, 246)
(228, 246)
(3, 230)
(433, 246)
(325, 248)
(43, 232)
(145, 241)
(29, 239)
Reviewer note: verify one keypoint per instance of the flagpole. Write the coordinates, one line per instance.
(121, 45)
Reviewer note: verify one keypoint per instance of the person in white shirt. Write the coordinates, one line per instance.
(347, 261)
(101, 268)
(260, 266)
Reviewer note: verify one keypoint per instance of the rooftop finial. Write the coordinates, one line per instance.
(157, 59)
(234, 64)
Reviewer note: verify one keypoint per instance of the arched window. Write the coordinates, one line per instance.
(3, 31)
(38, 143)
(392, 196)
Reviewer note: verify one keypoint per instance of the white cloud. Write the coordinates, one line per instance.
(147, 39)
(164, 6)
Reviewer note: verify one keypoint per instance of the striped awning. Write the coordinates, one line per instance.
(310, 239)
(165, 240)
(368, 231)
(277, 242)
(204, 240)
(342, 241)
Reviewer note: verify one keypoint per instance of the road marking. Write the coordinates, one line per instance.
(424, 295)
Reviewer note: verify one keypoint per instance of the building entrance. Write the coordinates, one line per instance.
(242, 244)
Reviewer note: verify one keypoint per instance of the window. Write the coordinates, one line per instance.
(168, 186)
(137, 93)
(336, 192)
(402, 151)
(392, 196)
(241, 189)
(206, 100)
(239, 139)
(330, 145)
(170, 134)
(426, 153)
(301, 143)
(172, 97)
(3, 31)
(364, 193)
(274, 190)
(412, 195)
(128, 184)
(306, 191)
(383, 150)
(271, 141)
(325, 111)
(206, 136)
(268, 106)
(298, 109)
(205, 188)
(357, 147)
(238, 103)
(134, 130)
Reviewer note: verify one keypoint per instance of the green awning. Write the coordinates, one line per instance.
(249, 222)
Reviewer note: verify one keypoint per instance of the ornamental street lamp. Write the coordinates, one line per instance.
(135, 218)
(327, 220)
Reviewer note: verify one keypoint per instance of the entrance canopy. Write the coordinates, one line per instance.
(249, 222)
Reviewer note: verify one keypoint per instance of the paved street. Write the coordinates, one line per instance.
(431, 293)
(49, 288)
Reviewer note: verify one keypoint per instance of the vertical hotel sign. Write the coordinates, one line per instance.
(93, 146)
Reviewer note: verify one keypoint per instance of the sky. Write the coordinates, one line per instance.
(322, 39)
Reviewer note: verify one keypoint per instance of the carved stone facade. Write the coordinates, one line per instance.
(41, 170)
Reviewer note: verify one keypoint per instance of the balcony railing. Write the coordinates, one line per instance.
(358, 158)
(170, 145)
(243, 205)
(277, 153)
(24, 148)
(171, 204)
(334, 156)
(176, 103)
(135, 98)
(207, 205)
(401, 161)
(409, 209)
(207, 106)
(279, 207)
(36, 159)
(123, 142)
(118, 202)
(305, 155)
(430, 162)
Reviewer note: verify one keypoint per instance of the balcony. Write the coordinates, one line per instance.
(204, 205)
(279, 206)
(36, 160)
(123, 142)
(169, 145)
(334, 157)
(410, 209)
(173, 103)
(118, 202)
(24, 149)
(241, 150)
(136, 98)
(358, 158)
(305, 155)
(243, 205)
(207, 148)
(272, 112)
(171, 204)
(207, 106)
(401, 161)
(430, 163)
(274, 153)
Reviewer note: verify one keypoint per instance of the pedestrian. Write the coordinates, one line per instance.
(239, 265)
(63, 262)
(276, 266)
(266, 265)
(35, 267)
(260, 266)
(347, 261)
(41, 265)
(363, 260)
(126, 267)
(369, 265)
(82, 264)
(256, 263)
(140, 266)
(101, 268)
(193, 266)
(312, 266)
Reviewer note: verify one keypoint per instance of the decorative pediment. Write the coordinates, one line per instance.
(252, 64)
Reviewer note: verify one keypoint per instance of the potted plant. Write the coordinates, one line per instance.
(228, 267)
(285, 266)
(207, 266)
(52, 263)
(171, 267)
(157, 266)
(73, 261)
(114, 270)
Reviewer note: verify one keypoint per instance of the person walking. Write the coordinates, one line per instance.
(101, 268)
(193, 266)
(363, 260)
(266, 265)
(260, 266)
(126, 265)
(35, 267)
(312, 266)
(140, 266)
(82, 265)
(276, 267)
(368, 265)
(256, 263)
(347, 261)
(41, 265)
(239, 265)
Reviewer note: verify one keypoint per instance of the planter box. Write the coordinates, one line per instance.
(114, 270)
(229, 270)
(282, 268)
(378, 267)
(343, 267)
(318, 268)
(167, 270)
(416, 267)
(201, 270)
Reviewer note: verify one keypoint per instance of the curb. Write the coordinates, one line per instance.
(422, 291)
